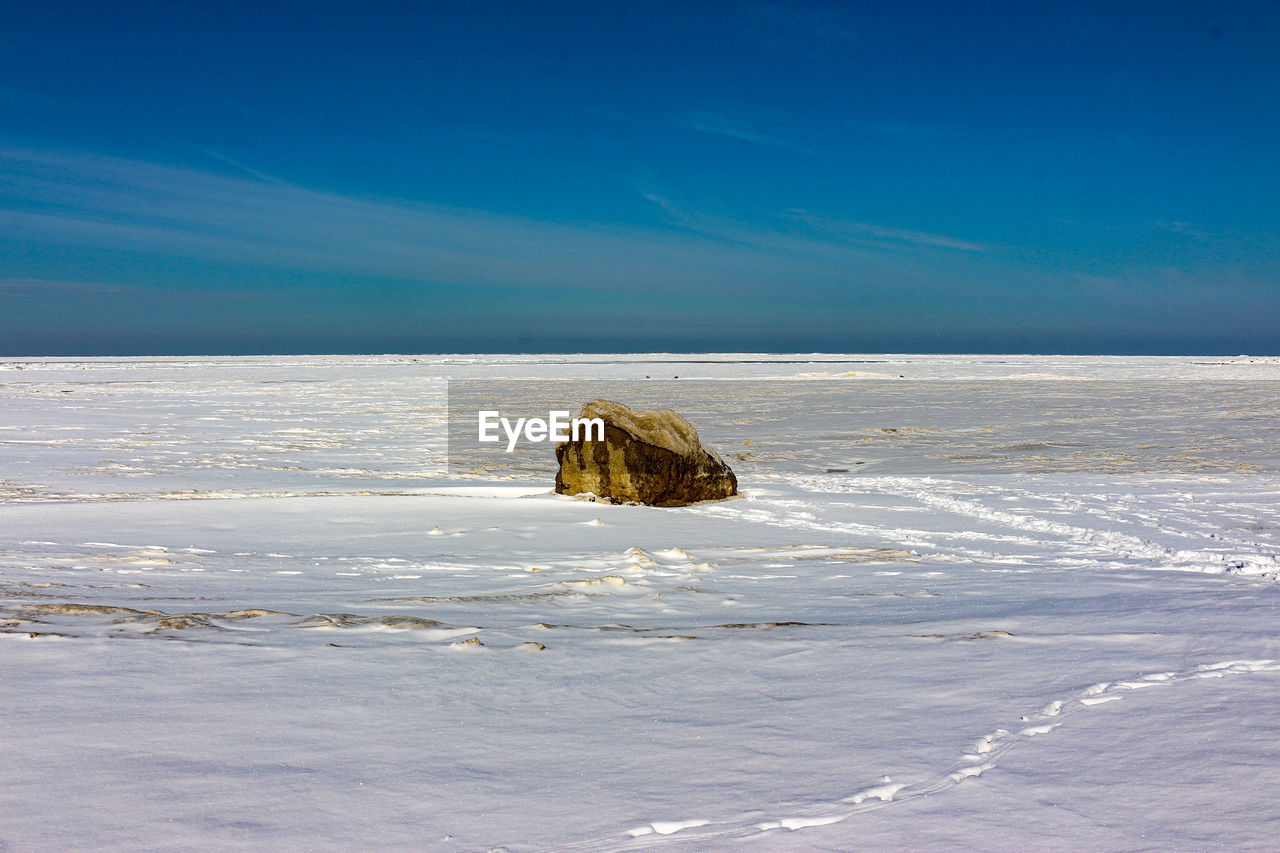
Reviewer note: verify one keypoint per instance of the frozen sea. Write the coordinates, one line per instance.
(964, 602)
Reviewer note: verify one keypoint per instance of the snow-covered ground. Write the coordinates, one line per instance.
(998, 603)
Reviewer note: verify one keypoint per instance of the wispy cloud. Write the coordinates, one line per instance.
(64, 289)
(75, 198)
(323, 264)
(715, 125)
(1186, 229)
(667, 205)
(800, 231)
(706, 123)
(236, 164)
(869, 234)
(89, 200)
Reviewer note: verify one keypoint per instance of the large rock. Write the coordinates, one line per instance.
(649, 457)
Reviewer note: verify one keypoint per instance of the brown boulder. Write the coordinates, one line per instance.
(652, 458)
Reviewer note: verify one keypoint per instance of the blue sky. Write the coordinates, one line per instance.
(326, 177)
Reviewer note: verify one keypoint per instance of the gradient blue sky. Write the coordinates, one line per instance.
(897, 176)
